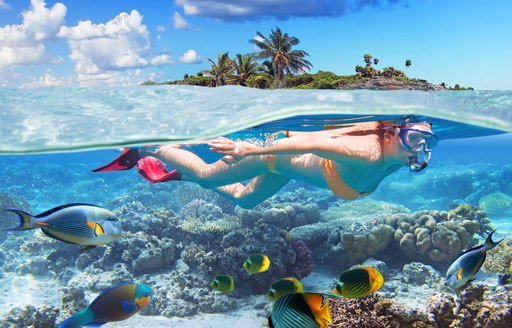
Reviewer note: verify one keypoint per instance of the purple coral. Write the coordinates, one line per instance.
(303, 261)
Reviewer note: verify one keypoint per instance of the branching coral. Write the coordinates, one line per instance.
(495, 203)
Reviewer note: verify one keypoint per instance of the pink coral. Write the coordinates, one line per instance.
(303, 261)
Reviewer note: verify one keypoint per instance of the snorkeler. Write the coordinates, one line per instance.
(350, 161)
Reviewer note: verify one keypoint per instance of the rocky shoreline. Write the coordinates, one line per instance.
(380, 83)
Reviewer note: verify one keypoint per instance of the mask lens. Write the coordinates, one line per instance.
(413, 139)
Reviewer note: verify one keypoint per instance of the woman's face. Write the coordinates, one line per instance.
(402, 152)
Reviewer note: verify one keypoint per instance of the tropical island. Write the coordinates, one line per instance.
(278, 65)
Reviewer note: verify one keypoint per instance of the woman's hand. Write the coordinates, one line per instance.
(235, 151)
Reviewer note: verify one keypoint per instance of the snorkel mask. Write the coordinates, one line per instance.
(415, 141)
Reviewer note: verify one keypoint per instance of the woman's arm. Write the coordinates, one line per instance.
(324, 145)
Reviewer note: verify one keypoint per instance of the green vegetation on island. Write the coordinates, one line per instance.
(278, 65)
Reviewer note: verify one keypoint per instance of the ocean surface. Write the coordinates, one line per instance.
(178, 235)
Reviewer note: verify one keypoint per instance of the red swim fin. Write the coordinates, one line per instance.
(153, 170)
(127, 160)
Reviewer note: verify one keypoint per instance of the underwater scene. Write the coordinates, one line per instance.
(182, 206)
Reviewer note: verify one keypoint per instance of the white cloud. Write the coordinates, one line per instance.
(47, 80)
(280, 9)
(160, 60)
(119, 44)
(24, 44)
(179, 22)
(127, 78)
(4, 5)
(160, 28)
(190, 57)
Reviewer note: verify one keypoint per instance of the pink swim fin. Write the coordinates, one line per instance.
(153, 170)
(127, 160)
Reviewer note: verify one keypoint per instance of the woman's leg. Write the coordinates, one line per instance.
(258, 189)
(211, 175)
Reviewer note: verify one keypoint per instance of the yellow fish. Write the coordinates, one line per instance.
(257, 263)
(223, 283)
(300, 310)
(284, 286)
(359, 282)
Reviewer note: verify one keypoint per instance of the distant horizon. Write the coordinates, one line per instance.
(72, 43)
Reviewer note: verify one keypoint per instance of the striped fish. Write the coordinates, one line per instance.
(359, 282)
(300, 310)
(81, 224)
(284, 286)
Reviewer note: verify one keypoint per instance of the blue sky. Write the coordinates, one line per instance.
(114, 42)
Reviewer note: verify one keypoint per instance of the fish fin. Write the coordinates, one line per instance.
(319, 306)
(128, 307)
(95, 324)
(98, 230)
(27, 221)
(58, 208)
(270, 324)
(78, 320)
(489, 243)
(49, 234)
(87, 248)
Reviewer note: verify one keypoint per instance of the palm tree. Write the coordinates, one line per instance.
(278, 47)
(245, 67)
(221, 70)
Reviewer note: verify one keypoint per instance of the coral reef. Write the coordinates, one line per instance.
(374, 311)
(427, 236)
(495, 203)
(30, 316)
(499, 259)
(416, 273)
(285, 216)
(473, 308)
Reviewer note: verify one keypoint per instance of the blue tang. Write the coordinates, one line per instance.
(114, 304)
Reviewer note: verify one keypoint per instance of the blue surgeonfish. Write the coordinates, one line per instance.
(114, 304)
(300, 310)
(465, 267)
(82, 224)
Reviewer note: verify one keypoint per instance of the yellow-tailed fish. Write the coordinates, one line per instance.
(465, 267)
(223, 283)
(81, 224)
(300, 310)
(284, 286)
(257, 263)
(359, 282)
(114, 304)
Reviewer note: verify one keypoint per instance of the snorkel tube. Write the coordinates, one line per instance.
(416, 166)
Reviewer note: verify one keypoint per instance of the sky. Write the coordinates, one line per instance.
(126, 42)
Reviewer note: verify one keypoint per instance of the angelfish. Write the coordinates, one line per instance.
(466, 265)
(82, 224)
(114, 304)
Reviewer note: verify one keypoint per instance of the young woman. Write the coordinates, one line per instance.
(350, 161)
